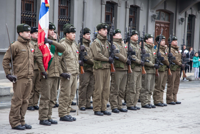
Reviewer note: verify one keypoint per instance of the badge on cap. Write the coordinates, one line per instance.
(29, 28)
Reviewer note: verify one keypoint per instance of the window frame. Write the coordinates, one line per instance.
(111, 13)
(166, 13)
(63, 19)
(28, 17)
(133, 17)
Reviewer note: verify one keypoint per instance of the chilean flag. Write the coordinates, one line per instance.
(43, 27)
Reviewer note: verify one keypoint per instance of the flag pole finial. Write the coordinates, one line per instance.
(47, 3)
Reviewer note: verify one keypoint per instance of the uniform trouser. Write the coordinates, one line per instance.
(148, 85)
(19, 102)
(86, 88)
(173, 86)
(101, 89)
(160, 82)
(67, 93)
(134, 85)
(34, 96)
(48, 97)
(58, 91)
(117, 88)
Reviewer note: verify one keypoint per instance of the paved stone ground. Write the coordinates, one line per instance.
(179, 119)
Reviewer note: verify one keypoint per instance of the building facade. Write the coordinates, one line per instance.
(177, 17)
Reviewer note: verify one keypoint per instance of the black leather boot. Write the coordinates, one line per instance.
(132, 108)
(115, 110)
(99, 113)
(45, 122)
(123, 110)
(19, 127)
(106, 112)
(53, 121)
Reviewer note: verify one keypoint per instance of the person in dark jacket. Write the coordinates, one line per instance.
(191, 55)
(186, 52)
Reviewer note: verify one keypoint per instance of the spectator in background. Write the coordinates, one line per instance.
(191, 55)
(187, 56)
(196, 63)
(186, 52)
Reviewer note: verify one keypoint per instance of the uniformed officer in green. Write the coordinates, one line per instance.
(62, 40)
(148, 81)
(70, 67)
(100, 50)
(161, 79)
(134, 82)
(86, 80)
(23, 55)
(119, 77)
(174, 79)
(49, 86)
(34, 96)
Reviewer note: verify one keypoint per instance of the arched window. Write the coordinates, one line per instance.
(162, 16)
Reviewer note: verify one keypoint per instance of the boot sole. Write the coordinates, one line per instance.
(99, 115)
(19, 128)
(115, 112)
(45, 124)
(133, 109)
(67, 120)
(54, 123)
(108, 114)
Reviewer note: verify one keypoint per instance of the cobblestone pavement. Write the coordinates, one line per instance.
(178, 119)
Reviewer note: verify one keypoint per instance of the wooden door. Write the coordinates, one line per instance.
(162, 25)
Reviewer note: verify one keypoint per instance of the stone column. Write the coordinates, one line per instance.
(17, 16)
(103, 6)
(55, 13)
(127, 14)
(118, 14)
